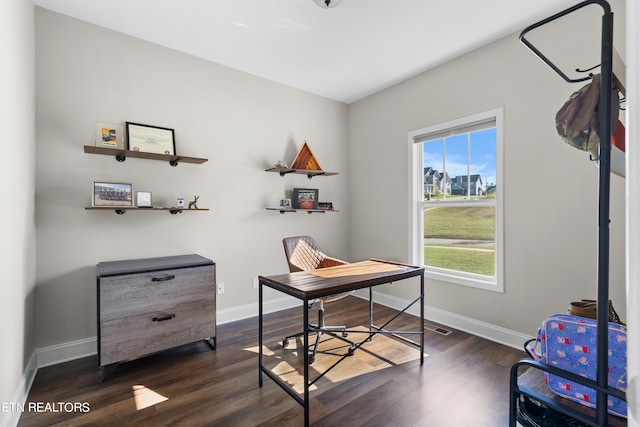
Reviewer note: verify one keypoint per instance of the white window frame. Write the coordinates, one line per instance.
(416, 198)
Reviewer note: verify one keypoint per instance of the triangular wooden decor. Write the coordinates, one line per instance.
(305, 159)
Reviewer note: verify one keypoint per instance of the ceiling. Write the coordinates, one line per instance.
(344, 53)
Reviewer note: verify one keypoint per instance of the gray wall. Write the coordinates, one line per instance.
(17, 225)
(241, 123)
(550, 215)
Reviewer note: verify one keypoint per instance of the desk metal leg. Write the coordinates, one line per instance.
(422, 319)
(304, 402)
(370, 313)
(260, 334)
(373, 329)
(305, 317)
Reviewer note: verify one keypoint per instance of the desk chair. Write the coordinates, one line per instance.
(304, 254)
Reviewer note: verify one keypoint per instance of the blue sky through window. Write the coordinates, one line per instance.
(482, 155)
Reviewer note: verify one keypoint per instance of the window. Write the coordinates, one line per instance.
(456, 196)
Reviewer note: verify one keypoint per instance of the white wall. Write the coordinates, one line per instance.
(241, 123)
(550, 188)
(17, 225)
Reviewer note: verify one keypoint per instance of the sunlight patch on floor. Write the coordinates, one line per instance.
(381, 352)
(144, 397)
(265, 351)
(291, 376)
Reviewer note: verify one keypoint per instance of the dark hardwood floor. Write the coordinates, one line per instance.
(464, 381)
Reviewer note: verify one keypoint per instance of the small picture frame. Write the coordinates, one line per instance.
(150, 139)
(143, 199)
(112, 194)
(283, 203)
(305, 198)
(109, 135)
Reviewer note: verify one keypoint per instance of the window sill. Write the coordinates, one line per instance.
(464, 279)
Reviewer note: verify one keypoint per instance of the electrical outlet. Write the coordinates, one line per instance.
(255, 283)
(220, 287)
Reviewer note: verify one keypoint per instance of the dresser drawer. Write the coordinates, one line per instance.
(130, 295)
(155, 330)
(153, 304)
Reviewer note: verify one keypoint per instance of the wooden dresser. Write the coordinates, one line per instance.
(153, 304)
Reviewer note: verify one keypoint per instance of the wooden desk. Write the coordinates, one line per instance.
(310, 285)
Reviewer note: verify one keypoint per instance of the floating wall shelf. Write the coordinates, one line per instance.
(121, 155)
(309, 211)
(120, 210)
(310, 173)
(305, 163)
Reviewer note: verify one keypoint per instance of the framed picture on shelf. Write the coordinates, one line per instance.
(143, 199)
(109, 135)
(305, 198)
(150, 139)
(283, 203)
(112, 194)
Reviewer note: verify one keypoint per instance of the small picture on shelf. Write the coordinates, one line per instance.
(109, 135)
(325, 206)
(305, 198)
(283, 203)
(150, 139)
(112, 194)
(143, 199)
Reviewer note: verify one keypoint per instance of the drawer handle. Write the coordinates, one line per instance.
(163, 279)
(161, 317)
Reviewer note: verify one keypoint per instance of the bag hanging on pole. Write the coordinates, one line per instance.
(578, 122)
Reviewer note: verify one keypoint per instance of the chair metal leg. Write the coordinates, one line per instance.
(352, 345)
(321, 329)
(285, 341)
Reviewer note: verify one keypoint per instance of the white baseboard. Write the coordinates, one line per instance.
(251, 310)
(466, 324)
(11, 418)
(65, 352)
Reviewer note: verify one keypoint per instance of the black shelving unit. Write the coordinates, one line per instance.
(519, 387)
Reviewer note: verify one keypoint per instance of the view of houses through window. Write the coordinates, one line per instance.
(458, 209)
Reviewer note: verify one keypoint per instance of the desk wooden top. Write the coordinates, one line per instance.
(342, 278)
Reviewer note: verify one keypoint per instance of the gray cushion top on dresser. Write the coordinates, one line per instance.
(112, 268)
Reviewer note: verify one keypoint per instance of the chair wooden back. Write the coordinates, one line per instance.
(304, 254)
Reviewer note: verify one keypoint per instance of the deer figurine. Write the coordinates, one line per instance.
(195, 200)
